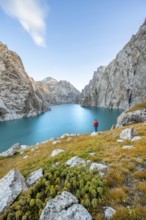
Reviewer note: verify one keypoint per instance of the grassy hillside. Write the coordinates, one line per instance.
(140, 106)
(123, 187)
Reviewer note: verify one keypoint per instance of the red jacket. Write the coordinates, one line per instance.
(95, 123)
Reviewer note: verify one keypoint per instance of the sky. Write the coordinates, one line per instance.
(68, 39)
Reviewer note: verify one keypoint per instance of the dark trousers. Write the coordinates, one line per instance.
(96, 128)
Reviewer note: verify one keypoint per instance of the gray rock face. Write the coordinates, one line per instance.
(122, 83)
(127, 118)
(18, 93)
(34, 177)
(11, 186)
(65, 207)
(59, 92)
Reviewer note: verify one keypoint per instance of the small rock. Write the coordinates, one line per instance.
(34, 177)
(98, 166)
(92, 153)
(69, 139)
(55, 164)
(76, 161)
(120, 141)
(127, 147)
(22, 152)
(52, 139)
(25, 157)
(55, 142)
(93, 134)
(23, 147)
(136, 138)
(56, 152)
(127, 134)
(109, 212)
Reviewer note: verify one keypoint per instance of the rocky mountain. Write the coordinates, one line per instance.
(58, 92)
(122, 83)
(19, 96)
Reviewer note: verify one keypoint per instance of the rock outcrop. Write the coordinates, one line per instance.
(11, 151)
(127, 118)
(19, 96)
(122, 83)
(65, 207)
(11, 186)
(59, 92)
(127, 134)
(34, 177)
(76, 161)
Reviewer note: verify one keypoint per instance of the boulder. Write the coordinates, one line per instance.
(127, 134)
(136, 138)
(65, 207)
(98, 166)
(34, 177)
(11, 151)
(11, 186)
(56, 152)
(109, 212)
(127, 118)
(76, 161)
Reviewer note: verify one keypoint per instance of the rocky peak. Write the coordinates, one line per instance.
(59, 92)
(123, 82)
(18, 97)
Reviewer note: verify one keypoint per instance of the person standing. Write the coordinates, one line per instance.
(96, 125)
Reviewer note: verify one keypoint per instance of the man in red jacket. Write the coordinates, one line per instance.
(96, 125)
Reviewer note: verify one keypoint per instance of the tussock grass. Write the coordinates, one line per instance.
(123, 187)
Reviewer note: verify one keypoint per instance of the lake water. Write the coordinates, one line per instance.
(66, 118)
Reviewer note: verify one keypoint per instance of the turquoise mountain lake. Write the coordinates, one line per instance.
(66, 118)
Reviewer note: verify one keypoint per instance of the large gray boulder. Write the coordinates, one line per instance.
(34, 177)
(65, 207)
(122, 83)
(19, 96)
(11, 186)
(127, 118)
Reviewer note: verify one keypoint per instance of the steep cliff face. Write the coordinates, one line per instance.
(123, 82)
(18, 93)
(58, 92)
